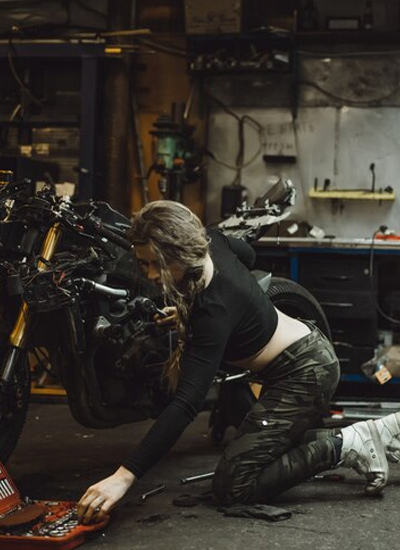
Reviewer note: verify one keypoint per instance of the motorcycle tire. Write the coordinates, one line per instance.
(296, 301)
(12, 420)
(237, 397)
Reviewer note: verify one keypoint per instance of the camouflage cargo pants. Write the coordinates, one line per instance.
(277, 445)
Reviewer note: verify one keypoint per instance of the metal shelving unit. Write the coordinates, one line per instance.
(89, 53)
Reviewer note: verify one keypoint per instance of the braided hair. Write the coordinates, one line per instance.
(177, 236)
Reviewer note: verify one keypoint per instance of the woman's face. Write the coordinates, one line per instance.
(150, 264)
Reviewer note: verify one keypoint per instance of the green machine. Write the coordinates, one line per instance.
(176, 157)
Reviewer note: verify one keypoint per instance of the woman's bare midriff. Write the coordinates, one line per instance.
(287, 332)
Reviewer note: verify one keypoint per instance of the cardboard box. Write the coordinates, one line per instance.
(384, 365)
(213, 17)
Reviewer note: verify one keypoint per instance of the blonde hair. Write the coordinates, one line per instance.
(177, 236)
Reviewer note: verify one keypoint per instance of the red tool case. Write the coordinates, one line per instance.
(41, 524)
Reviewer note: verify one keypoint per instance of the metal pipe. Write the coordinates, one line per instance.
(139, 148)
(9, 363)
(231, 377)
(118, 131)
(200, 477)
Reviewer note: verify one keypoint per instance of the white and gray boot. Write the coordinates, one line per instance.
(389, 431)
(363, 451)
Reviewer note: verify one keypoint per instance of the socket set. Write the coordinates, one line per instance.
(41, 524)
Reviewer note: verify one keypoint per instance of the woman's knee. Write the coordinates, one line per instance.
(231, 485)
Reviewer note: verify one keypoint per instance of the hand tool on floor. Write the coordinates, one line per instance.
(159, 489)
(200, 477)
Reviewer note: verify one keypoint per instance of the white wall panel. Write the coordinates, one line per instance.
(335, 143)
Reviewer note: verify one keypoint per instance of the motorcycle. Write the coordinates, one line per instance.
(73, 296)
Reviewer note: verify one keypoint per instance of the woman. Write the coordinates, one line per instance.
(221, 314)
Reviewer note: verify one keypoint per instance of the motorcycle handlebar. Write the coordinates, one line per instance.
(13, 187)
(111, 235)
(147, 305)
(95, 225)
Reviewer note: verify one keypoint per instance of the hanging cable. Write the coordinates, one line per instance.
(348, 101)
(371, 275)
(17, 78)
(240, 162)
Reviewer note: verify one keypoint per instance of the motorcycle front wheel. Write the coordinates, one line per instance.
(14, 405)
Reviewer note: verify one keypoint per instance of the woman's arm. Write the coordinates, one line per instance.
(200, 362)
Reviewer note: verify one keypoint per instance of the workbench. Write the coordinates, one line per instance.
(357, 283)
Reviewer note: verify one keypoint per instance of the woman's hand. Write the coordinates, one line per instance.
(171, 316)
(100, 498)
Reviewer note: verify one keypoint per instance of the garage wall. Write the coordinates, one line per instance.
(348, 118)
(335, 117)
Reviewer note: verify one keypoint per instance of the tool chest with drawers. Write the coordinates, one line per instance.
(354, 282)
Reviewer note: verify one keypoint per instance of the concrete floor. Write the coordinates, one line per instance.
(57, 459)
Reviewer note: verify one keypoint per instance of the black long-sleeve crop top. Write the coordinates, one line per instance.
(231, 319)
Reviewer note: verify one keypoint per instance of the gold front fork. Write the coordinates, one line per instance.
(47, 252)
